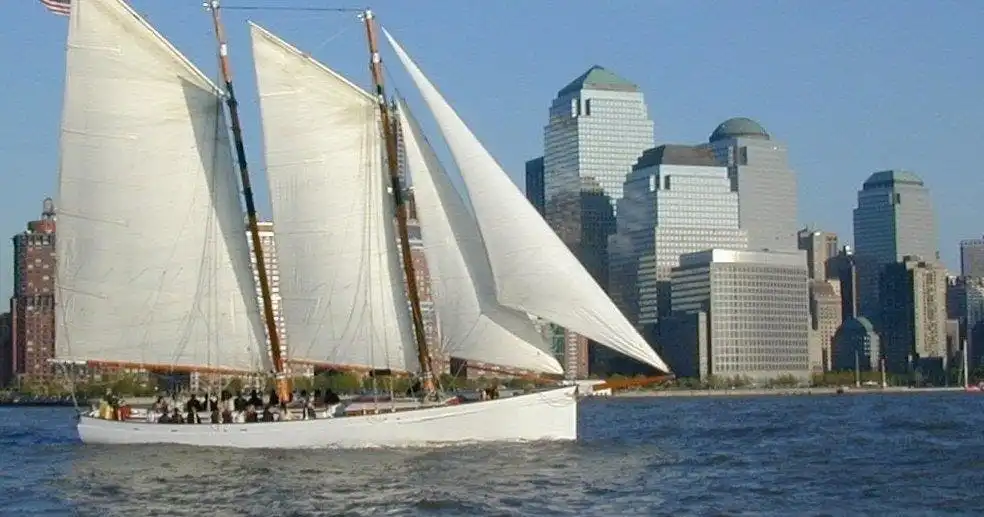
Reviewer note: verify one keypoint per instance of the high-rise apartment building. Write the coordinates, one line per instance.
(33, 303)
(820, 247)
(598, 127)
(737, 313)
(826, 313)
(677, 200)
(913, 328)
(432, 333)
(972, 258)
(759, 169)
(825, 319)
(269, 245)
(894, 219)
(6, 350)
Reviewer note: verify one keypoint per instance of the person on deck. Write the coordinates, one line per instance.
(254, 399)
(309, 408)
(239, 403)
(267, 415)
(332, 402)
(192, 407)
(112, 405)
(251, 416)
(331, 398)
(226, 406)
(274, 399)
(212, 403)
(415, 389)
(176, 417)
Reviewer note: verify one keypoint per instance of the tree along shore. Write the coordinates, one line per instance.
(148, 385)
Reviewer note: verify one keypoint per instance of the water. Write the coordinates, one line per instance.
(769, 456)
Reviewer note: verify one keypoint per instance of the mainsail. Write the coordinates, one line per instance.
(534, 271)
(152, 266)
(474, 325)
(341, 284)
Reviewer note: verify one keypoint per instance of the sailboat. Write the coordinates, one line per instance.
(154, 272)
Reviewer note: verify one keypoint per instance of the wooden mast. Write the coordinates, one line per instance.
(376, 65)
(282, 383)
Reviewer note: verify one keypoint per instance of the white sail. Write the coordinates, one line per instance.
(474, 325)
(342, 287)
(534, 271)
(152, 265)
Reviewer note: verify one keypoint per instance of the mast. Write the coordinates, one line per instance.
(282, 383)
(376, 65)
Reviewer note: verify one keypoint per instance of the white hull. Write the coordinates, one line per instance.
(548, 415)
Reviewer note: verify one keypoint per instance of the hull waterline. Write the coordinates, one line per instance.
(543, 416)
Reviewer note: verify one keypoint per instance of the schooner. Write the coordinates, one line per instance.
(154, 272)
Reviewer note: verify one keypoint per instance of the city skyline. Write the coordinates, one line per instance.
(844, 109)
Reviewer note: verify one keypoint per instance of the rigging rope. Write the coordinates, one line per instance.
(283, 8)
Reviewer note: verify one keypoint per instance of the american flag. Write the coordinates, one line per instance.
(59, 7)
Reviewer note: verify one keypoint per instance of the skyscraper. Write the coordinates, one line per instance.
(759, 168)
(534, 183)
(677, 200)
(598, 128)
(913, 298)
(33, 303)
(974, 303)
(972, 258)
(894, 219)
(599, 125)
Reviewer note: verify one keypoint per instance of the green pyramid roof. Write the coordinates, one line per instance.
(597, 78)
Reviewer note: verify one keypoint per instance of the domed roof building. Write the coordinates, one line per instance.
(758, 166)
(739, 127)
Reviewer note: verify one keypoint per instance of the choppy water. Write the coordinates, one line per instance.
(883, 455)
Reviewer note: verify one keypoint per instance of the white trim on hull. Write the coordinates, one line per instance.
(544, 416)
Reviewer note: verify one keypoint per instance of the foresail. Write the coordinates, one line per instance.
(474, 325)
(152, 265)
(534, 271)
(341, 284)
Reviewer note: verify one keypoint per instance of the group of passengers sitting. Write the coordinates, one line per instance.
(229, 409)
(238, 409)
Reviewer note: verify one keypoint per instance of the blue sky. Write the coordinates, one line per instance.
(850, 87)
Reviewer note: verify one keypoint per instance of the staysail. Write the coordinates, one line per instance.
(474, 325)
(341, 284)
(534, 271)
(152, 268)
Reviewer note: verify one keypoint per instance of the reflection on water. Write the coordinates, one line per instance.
(851, 455)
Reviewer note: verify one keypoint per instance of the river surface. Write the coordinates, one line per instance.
(878, 455)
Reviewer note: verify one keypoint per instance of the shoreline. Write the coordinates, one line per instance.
(783, 392)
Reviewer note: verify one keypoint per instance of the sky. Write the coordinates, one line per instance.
(850, 87)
